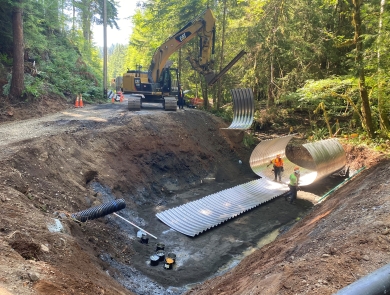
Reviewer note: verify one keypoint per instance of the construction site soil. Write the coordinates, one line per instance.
(74, 159)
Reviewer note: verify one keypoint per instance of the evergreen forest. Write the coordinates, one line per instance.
(325, 60)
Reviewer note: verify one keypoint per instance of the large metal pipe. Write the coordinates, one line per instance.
(376, 283)
(324, 158)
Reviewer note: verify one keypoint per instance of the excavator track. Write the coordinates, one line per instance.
(170, 103)
(134, 103)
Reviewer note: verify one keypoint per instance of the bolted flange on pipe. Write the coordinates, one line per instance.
(375, 283)
(99, 211)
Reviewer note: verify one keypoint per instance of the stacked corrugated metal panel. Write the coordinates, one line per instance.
(243, 108)
(198, 216)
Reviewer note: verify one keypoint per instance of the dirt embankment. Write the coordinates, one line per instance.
(145, 159)
(149, 160)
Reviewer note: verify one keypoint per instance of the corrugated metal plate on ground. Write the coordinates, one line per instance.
(198, 216)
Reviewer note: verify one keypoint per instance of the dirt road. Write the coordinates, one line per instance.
(79, 158)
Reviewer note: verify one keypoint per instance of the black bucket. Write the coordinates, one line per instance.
(160, 246)
(154, 259)
(168, 263)
(144, 239)
(161, 254)
(172, 256)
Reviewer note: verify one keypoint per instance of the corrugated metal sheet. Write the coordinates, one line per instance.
(328, 156)
(198, 216)
(195, 217)
(243, 108)
(267, 150)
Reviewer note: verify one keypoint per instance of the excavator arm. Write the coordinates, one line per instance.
(204, 27)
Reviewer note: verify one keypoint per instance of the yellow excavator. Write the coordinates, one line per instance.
(160, 84)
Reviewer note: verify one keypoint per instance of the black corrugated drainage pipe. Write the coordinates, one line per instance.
(376, 283)
(99, 211)
(103, 210)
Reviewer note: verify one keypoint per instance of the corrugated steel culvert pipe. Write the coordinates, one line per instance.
(376, 283)
(325, 157)
(195, 217)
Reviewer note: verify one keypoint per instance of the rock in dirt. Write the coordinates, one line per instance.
(33, 277)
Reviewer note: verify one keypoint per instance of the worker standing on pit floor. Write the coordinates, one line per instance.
(293, 185)
(278, 167)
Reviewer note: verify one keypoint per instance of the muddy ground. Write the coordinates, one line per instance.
(79, 158)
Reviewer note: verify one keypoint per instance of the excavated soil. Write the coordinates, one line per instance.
(79, 158)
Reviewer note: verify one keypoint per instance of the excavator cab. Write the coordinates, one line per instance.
(169, 82)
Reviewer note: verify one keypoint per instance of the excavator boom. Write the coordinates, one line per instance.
(203, 26)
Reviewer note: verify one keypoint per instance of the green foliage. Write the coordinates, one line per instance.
(264, 117)
(65, 63)
(33, 86)
(331, 91)
(5, 59)
(226, 113)
(319, 134)
(7, 87)
(249, 140)
(66, 69)
(116, 61)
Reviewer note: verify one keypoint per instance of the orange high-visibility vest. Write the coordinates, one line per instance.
(278, 162)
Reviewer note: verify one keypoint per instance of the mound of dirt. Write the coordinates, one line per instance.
(31, 108)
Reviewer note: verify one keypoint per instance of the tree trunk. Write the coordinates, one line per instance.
(63, 16)
(51, 14)
(272, 46)
(86, 21)
(73, 19)
(17, 82)
(271, 96)
(366, 111)
(219, 98)
(204, 87)
(382, 110)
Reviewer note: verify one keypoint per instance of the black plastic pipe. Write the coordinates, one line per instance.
(376, 283)
(99, 211)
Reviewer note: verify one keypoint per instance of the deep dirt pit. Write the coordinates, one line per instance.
(155, 161)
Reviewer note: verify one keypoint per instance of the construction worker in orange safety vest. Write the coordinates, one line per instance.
(278, 167)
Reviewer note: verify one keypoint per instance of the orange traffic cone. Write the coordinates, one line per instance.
(121, 96)
(76, 105)
(113, 99)
(81, 101)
